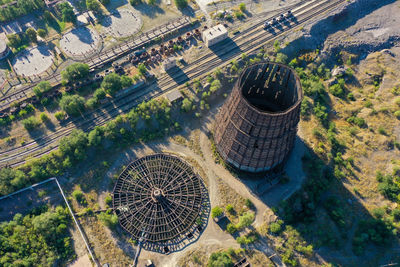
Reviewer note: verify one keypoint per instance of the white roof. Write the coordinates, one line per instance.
(215, 31)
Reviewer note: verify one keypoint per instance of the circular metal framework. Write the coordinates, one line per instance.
(158, 200)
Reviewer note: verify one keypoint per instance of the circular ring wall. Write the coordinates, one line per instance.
(256, 127)
(159, 200)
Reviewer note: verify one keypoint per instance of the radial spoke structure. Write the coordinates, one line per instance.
(158, 199)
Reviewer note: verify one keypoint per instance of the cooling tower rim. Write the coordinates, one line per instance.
(270, 113)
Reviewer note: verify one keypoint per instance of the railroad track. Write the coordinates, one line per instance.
(202, 66)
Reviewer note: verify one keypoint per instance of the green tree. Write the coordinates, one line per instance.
(67, 12)
(112, 83)
(242, 7)
(94, 137)
(105, 2)
(245, 220)
(75, 72)
(187, 105)
(14, 40)
(74, 145)
(31, 123)
(72, 104)
(32, 35)
(181, 4)
(42, 33)
(93, 5)
(216, 212)
(142, 69)
(11, 179)
(41, 88)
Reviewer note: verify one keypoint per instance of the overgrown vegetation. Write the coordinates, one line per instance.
(40, 238)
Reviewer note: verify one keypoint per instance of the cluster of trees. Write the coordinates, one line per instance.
(155, 121)
(19, 40)
(112, 83)
(67, 13)
(93, 5)
(22, 7)
(36, 239)
(389, 186)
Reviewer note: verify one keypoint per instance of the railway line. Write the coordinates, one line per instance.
(201, 66)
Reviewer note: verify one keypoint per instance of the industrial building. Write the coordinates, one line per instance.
(169, 63)
(160, 201)
(256, 128)
(215, 35)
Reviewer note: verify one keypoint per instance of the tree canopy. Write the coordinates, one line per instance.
(220, 259)
(93, 5)
(181, 3)
(75, 72)
(36, 240)
(72, 104)
(67, 12)
(41, 88)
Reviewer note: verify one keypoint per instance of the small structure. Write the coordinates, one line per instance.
(169, 63)
(12, 28)
(174, 96)
(215, 35)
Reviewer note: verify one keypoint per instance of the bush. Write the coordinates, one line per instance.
(41, 88)
(60, 115)
(44, 117)
(108, 200)
(248, 203)
(108, 219)
(245, 220)
(219, 259)
(382, 131)
(42, 33)
(275, 227)
(187, 105)
(11, 179)
(231, 228)
(372, 230)
(397, 114)
(215, 86)
(281, 58)
(229, 208)
(78, 195)
(73, 105)
(30, 123)
(216, 212)
(242, 7)
(32, 35)
(387, 186)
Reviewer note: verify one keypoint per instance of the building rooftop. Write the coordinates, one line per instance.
(215, 32)
(174, 95)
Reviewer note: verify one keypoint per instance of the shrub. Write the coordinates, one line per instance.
(108, 219)
(382, 130)
(32, 35)
(229, 208)
(248, 203)
(42, 33)
(44, 117)
(60, 115)
(93, 5)
(219, 259)
(30, 123)
(281, 58)
(41, 88)
(387, 186)
(242, 7)
(216, 212)
(245, 220)
(275, 227)
(187, 105)
(397, 114)
(231, 228)
(108, 200)
(78, 195)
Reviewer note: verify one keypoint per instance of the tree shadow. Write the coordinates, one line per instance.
(150, 11)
